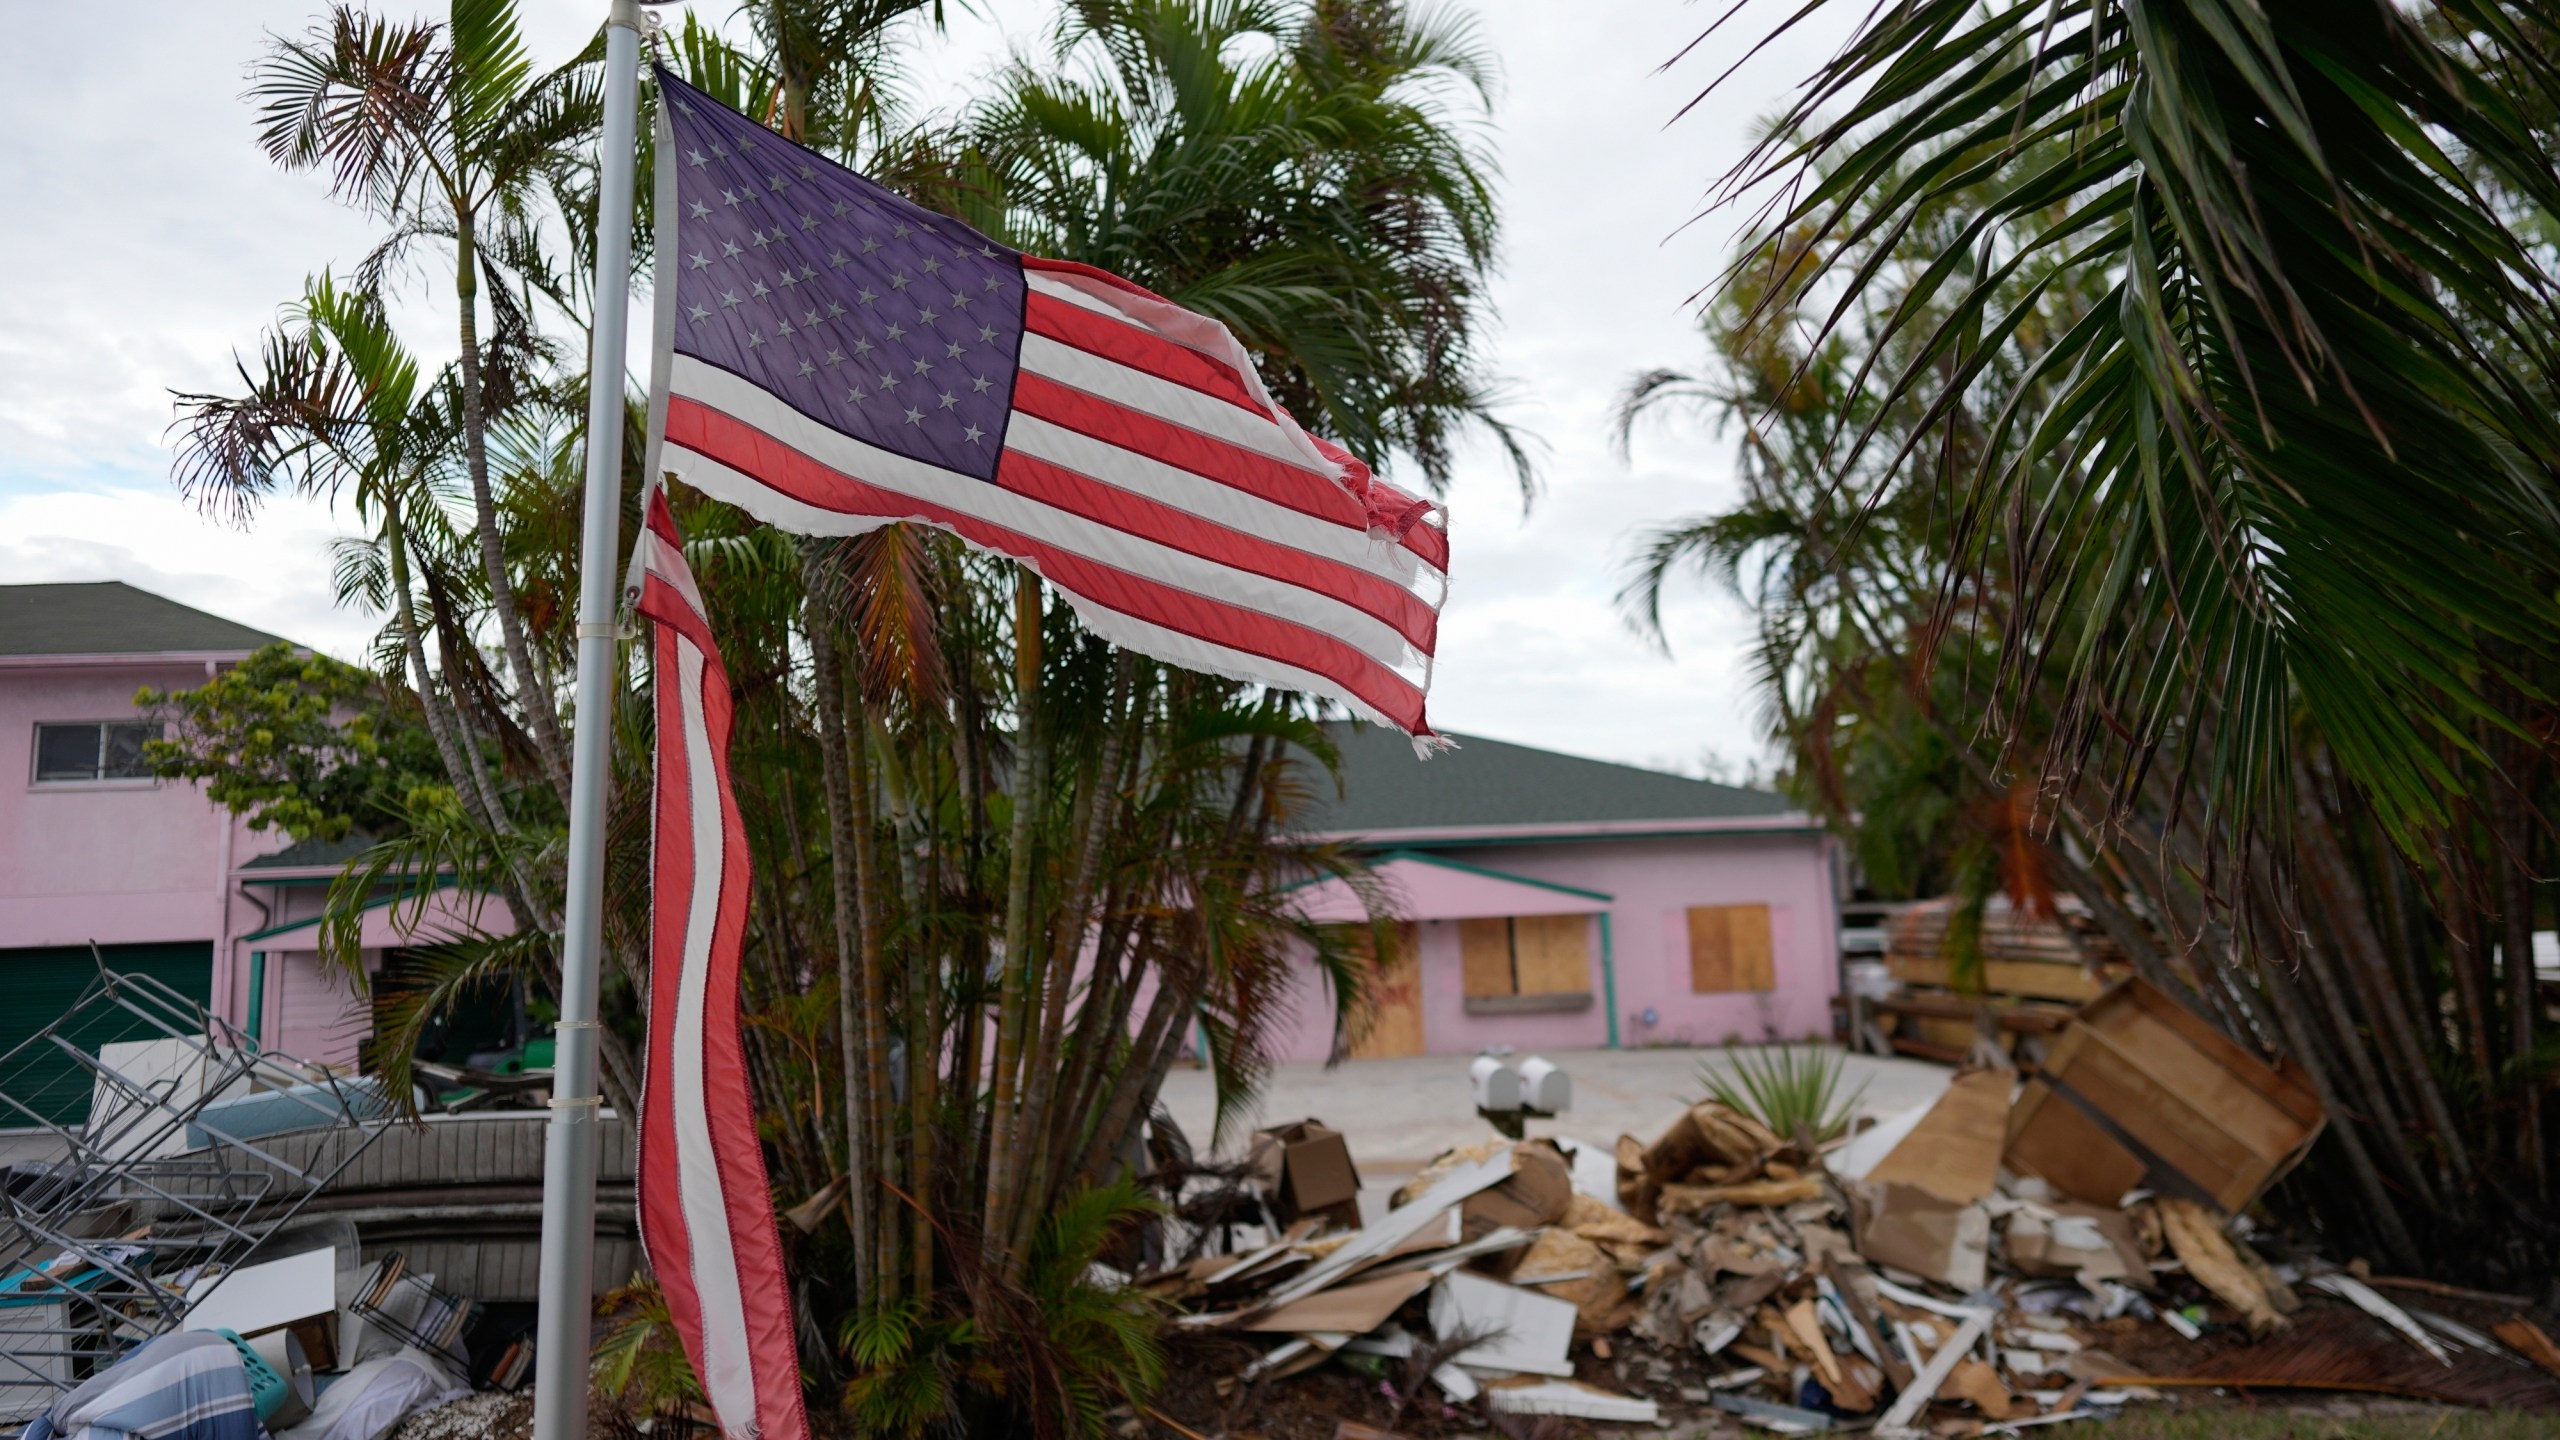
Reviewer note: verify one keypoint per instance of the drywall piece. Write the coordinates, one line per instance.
(1570, 1397)
(2364, 1297)
(1441, 1262)
(1923, 1232)
(1455, 1383)
(1397, 1226)
(1393, 1341)
(1915, 1397)
(1954, 1152)
(1530, 1333)
(1353, 1309)
(267, 1296)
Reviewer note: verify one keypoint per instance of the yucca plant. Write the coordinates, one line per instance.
(1794, 1090)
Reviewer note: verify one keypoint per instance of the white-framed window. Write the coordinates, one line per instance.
(70, 752)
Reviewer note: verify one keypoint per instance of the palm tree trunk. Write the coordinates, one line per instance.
(2511, 860)
(1030, 792)
(2348, 911)
(2470, 969)
(1065, 951)
(1159, 1038)
(542, 712)
(2381, 1207)
(870, 921)
(828, 699)
(440, 725)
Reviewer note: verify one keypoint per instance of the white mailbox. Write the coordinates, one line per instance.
(1544, 1086)
(1497, 1086)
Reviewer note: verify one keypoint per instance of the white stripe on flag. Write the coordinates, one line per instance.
(1167, 401)
(1109, 464)
(1154, 562)
(730, 1378)
(748, 493)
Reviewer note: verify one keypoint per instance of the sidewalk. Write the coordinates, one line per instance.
(1399, 1113)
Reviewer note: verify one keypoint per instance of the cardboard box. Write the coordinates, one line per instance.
(1540, 1187)
(2139, 1091)
(1932, 1237)
(1307, 1169)
(1954, 1152)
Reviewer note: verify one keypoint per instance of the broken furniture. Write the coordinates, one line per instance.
(2025, 973)
(2141, 1092)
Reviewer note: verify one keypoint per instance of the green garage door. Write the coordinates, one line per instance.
(38, 985)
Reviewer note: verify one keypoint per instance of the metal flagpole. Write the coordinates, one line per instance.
(565, 1328)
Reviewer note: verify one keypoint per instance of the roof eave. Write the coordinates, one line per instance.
(1791, 822)
(111, 659)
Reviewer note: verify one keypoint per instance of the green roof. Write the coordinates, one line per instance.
(109, 617)
(1386, 790)
(303, 854)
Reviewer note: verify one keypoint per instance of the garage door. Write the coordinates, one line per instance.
(41, 984)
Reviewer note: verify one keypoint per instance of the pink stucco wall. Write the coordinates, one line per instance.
(154, 861)
(117, 861)
(1652, 883)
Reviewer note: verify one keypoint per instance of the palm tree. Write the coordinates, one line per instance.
(447, 133)
(2192, 371)
(1297, 171)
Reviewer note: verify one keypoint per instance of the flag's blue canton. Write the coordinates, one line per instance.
(860, 309)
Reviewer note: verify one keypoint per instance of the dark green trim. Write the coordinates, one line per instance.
(258, 996)
(1427, 858)
(374, 904)
(1609, 978)
(1515, 841)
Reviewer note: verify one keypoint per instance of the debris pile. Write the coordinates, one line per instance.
(1976, 1265)
(180, 1236)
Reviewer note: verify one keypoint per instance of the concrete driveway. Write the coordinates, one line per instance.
(1399, 1113)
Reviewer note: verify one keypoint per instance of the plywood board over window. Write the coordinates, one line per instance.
(1526, 962)
(1394, 1005)
(1729, 949)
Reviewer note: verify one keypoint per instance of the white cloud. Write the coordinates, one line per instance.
(275, 577)
(153, 240)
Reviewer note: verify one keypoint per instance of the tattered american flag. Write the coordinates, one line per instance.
(706, 1209)
(832, 358)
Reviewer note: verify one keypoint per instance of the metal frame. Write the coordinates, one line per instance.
(133, 1205)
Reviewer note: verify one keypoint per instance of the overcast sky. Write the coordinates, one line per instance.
(152, 240)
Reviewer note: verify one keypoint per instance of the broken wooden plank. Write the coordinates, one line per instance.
(1915, 1397)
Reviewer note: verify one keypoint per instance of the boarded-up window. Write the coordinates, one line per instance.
(1729, 949)
(1526, 955)
(1390, 1022)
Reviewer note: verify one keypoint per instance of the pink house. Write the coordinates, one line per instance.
(1549, 902)
(94, 850)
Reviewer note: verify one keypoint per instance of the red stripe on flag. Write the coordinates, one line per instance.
(1139, 349)
(1077, 494)
(750, 451)
(1078, 267)
(723, 1102)
(754, 1240)
(1210, 458)
(663, 1231)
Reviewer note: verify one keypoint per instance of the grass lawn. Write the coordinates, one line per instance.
(2273, 1422)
